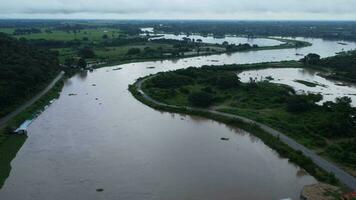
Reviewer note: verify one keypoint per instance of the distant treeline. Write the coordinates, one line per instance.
(329, 30)
(23, 71)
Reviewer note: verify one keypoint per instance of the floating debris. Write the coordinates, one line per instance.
(225, 139)
(100, 190)
(119, 68)
(342, 84)
(150, 67)
(93, 84)
(72, 94)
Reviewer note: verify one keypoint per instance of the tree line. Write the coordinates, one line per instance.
(24, 70)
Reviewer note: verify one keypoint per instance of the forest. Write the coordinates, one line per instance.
(24, 70)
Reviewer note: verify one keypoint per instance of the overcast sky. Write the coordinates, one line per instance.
(180, 9)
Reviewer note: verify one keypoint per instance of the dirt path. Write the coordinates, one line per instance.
(4, 120)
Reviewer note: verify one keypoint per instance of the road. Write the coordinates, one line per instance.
(7, 118)
(340, 174)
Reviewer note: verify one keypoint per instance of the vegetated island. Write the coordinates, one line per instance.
(328, 129)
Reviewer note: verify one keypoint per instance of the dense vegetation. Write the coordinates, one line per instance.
(343, 66)
(327, 128)
(23, 71)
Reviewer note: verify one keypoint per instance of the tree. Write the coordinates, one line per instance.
(227, 81)
(105, 37)
(133, 51)
(298, 104)
(311, 59)
(69, 61)
(82, 63)
(86, 52)
(24, 70)
(201, 99)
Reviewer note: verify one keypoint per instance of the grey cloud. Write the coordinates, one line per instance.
(172, 8)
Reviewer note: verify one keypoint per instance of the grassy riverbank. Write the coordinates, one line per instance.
(10, 144)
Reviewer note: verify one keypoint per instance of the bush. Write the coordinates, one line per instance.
(298, 104)
(200, 99)
(170, 80)
(228, 81)
(86, 52)
(133, 51)
(82, 63)
(311, 59)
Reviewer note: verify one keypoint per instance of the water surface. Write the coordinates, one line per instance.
(230, 39)
(329, 89)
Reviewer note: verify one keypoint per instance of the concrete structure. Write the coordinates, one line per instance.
(22, 129)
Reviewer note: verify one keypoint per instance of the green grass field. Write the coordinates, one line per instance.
(95, 35)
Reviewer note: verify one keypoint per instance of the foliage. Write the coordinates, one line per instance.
(24, 70)
(302, 103)
(82, 63)
(344, 152)
(200, 99)
(86, 52)
(170, 80)
(311, 59)
(133, 51)
(343, 66)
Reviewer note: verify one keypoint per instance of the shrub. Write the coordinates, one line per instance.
(133, 51)
(170, 80)
(228, 81)
(311, 59)
(200, 99)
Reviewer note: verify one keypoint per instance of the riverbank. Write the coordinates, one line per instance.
(10, 144)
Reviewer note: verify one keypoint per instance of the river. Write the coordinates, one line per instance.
(103, 138)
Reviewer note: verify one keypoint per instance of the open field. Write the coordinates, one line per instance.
(95, 35)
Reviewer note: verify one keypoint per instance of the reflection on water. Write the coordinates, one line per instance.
(83, 74)
(329, 89)
(105, 138)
